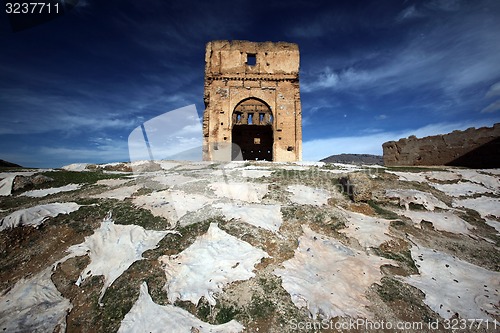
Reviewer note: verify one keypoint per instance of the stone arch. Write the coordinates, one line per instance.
(252, 129)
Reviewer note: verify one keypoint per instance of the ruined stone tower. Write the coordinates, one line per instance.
(252, 100)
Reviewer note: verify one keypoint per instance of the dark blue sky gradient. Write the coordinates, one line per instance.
(72, 89)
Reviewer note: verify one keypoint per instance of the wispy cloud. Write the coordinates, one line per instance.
(444, 5)
(32, 112)
(427, 8)
(77, 108)
(493, 107)
(494, 90)
(408, 13)
(101, 149)
(447, 57)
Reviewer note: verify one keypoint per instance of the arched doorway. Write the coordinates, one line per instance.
(252, 129)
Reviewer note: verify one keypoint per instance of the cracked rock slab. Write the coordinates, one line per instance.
(52, 190)
(443, 221)
(369, 231)
(172, 205)
(247, 192)
(112, 249)
(147, 316)
(34, 216)
(329, 278)
(454, 286)
(213, 261)
(306, 195)
(262, 216)
(428, 200)
(34, 305)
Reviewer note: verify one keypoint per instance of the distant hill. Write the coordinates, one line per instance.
(355, 159)
(5, 164)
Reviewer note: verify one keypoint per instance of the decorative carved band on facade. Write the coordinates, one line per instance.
(293, 79)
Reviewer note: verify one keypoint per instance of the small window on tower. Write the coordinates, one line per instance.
(251, 59)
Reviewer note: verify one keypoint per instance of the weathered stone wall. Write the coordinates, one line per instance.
(474, 148)
(272, 80)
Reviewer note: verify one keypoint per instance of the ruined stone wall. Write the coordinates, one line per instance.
(265, 73)
(474, 148)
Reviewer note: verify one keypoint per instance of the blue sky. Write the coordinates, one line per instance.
(74, 88)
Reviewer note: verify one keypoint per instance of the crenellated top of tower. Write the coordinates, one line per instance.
(259, 60)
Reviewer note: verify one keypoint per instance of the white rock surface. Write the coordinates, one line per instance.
(34, 216)
(485, 206)
(167, 165)
(444, 221)
(248, 192)
(490, 171)
(172, 179)
(76, 167)
(213, 261)
(409, 176)
(231, 170)
(112, 182)
(428, 200)
(147, 316)
(330, 278)
(112, 249)
(120, 193)
(52, 190)
(263, 216)
(172, 205)
(494, 224)
(195, 165)
(455, 286)
(34, 305)
(347, 167)
(7, 178)
(306, 195)
(6, 185)
(369, 231)
(249, 173)
(295, 167)
(310, 163)
(461, 189)
(489, 181)
(425, 177)
(443, 175)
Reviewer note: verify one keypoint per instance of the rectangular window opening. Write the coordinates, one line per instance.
(261, 118)
(251, 59)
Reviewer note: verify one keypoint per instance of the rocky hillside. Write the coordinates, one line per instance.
(249, 247)
(355, 159)
(5, 164)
